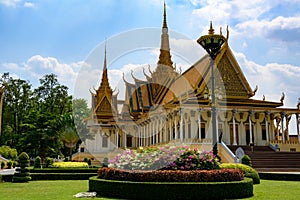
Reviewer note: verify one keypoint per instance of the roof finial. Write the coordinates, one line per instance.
(105, 64)
(227, 30)
(165, 16)
(211, 31)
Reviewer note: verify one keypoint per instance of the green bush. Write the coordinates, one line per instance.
(9, 164)
(247, 170)
(172, 190)
(6, 177)
(37, 162)
(8, 152)
(22, 172)
(105, 162)
(48, 162)
(2, 165)
(246, 160)
(88, 161)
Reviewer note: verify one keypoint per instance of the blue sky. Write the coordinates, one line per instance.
(44, 36)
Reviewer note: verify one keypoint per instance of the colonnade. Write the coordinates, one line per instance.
(188, 125)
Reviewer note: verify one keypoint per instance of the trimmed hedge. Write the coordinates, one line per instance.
(171, 190)
(64, 170)
(61, 176)
(286, 176)
(62, 173)
(6, 177)
(221, 175)
(247, 170)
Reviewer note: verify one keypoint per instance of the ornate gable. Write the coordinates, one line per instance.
(104, 105)
(231, 78)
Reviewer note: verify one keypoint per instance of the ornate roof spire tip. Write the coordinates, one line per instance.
(165, 16)
(211, 31)
(105, 63)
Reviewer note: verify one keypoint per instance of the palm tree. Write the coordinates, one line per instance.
(68, 132)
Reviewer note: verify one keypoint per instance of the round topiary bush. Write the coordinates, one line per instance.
(246, 160)
(22, 173)
(247, 170)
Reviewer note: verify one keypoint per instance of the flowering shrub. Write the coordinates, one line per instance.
(148, 158)
(70, 165)
(221, 175)
(195, 160)
(165, 157)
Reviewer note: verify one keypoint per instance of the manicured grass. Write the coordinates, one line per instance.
(46, 190)
(276, 190)
(64, 190)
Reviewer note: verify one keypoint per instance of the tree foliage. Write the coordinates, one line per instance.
(32, 118)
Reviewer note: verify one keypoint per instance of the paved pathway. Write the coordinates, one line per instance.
(7, 171)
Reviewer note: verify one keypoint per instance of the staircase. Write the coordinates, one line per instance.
(266, 159)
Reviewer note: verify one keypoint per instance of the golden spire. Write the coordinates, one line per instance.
(104, 85)
(104, 73)
(165, 56)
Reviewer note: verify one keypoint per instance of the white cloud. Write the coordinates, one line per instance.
(29, 5)
(272, 79)
(10, 3)
(15, 3)
(37, 66)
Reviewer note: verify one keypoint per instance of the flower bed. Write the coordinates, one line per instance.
(222, 175)
(169, 172)
(165, 157)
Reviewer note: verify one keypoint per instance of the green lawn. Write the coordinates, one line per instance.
(277, 190)
(64, 190)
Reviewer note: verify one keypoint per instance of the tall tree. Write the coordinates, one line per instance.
(80, 113)
(53, 101)
(68, 132)
(17, 104)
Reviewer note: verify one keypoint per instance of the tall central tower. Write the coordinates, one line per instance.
(165, 70)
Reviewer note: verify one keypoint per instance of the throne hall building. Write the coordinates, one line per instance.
(172, 107)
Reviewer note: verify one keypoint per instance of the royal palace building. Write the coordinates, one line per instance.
(168, 106)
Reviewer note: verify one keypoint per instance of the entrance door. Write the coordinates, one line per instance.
(129, 141)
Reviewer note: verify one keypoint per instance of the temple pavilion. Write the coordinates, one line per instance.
(168, 106)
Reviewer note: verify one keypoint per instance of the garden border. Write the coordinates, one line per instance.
(171, 190)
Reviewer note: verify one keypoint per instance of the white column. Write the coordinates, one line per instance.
(199, 122)
(165, 131)
(140, 135)
(117, 138)
(234, 130)
(181, 125)
(267, 125)
(297, 124)
(170, 128)
(125, 139)
(157, 130)
(250, 126)
(175, 126)
(145, 135)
